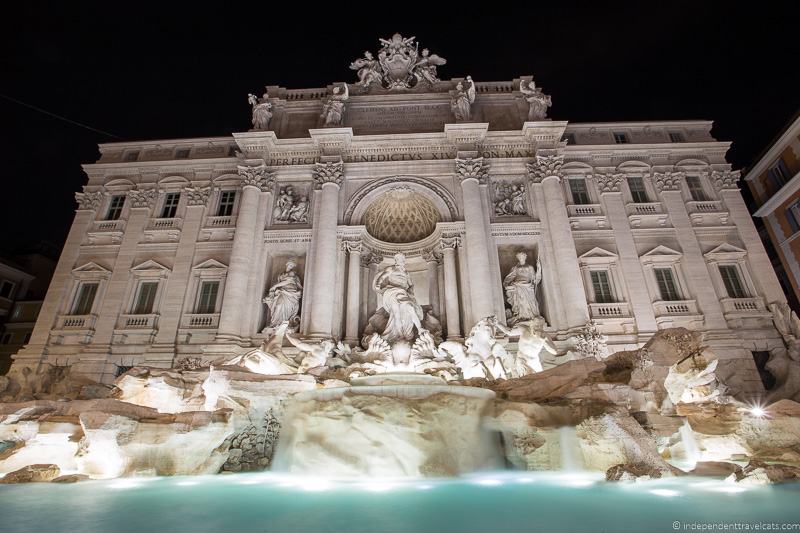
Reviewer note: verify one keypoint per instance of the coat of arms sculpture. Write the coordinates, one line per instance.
(400, 65)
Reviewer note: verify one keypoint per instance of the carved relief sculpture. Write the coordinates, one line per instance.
(283, 298)
(509, 199)
(333, 110)
(538, 102)
(262, 111)
(462, 99)
(520, 285)
(290, 207)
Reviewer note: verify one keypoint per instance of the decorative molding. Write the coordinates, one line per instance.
(328, 172)
(256, 176)
(197, 195)
(142, 198)
(607, 183)
(668, 181)
(725, 179)
(546, 166)
(431, 255)
(89, 200)
(472, 168)
(452, 242)
(352, 246)
(434, 187)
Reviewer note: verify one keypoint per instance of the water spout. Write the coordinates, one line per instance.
(571, 454)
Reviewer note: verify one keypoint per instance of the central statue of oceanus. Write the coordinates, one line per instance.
(394, 286)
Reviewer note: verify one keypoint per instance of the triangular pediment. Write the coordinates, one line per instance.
(662, 251)
(149, 265)
(725, 250)
(90, 268)
(209, 264)
(598, 253)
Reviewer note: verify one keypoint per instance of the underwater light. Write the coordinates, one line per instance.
(667, 493)
(758, 412)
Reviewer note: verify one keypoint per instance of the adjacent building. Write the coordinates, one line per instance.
(636, 226)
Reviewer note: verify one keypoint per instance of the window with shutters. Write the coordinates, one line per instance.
(602, 286)
(638, 191)
(207, 297)
(696, 190)
(665, 279)
(84, 298)
(732, 281)
(170, 207)
(580, 194)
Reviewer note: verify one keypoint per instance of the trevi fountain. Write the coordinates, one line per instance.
(524, 392)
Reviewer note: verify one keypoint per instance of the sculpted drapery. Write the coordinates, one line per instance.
(283, 298)
(396, 290)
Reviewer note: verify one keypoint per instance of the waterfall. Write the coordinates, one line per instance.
(571, 454)
(690, 449)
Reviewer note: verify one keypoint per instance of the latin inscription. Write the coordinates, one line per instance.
(398, 118)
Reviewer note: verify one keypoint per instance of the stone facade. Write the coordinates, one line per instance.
(178, 241)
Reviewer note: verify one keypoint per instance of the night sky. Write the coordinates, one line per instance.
(159, 71)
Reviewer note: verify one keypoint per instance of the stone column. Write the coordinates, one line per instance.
(328, 178)
(141, 202)
(256, 281)
(375, 259)
(58, 291)
(353, 291)
(473, 172)
(432, 262)
(698, 277)
(547, 171)
(725, 182)
(175, 291)
(610, 190)
(232, 313)
(449, 245)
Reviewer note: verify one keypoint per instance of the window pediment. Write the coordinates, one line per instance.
(661, 254)
(91, 270)
(725, 252)
(598, 256)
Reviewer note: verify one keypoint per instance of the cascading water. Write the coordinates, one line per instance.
(571, 454)
(690, 449)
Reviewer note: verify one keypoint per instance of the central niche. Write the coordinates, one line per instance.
(400, 216)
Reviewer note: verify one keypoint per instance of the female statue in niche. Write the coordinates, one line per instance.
(462, 99)
(393, 285)
(283, 298)
(520, 285)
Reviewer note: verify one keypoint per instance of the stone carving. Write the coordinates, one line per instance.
(333, 110)
(269, 359)
(520, 285)
(401, 215)
(283, 298)
(538, 102)
(668, 181)
(396, 291)
(255, 176)
(190, 363)
(399, 65)
(315, 355)
(89, 200)
(692, 380)
(785, 366)
(482, 346)
(369, 70)
(142, 197)
(545, 167)
(290, 207)
(532, 340)
(329, 172)
(197, 195)
(591, 343)
(609, 182)
(726, 179)
(472, 168)
(461, 100)
(509, 199)
(262, 111)
(450, 242)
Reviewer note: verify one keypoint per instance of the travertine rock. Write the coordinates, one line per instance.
(32, 474)
(760, 473)
(70, 478)
(632, 472)
(715, 469)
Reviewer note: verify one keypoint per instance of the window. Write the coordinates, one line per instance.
(732, 281)
(146, 298)
(6, 288)
(182, 153)
(569, 138)
(170, 204)
(638, 193)
(778, 174)
(676, 137)
(666, 284)
(793, 216)
(133, 155)
(6, 338)
(580, 195)
(226, 200)
(601, 286)
(115, 207)
(207, 303)
(85, 299)
(620, 137)
(696, 189)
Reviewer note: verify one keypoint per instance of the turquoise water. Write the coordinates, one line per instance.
(495, 503)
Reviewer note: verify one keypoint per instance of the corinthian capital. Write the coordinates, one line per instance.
(142, 197)
(668, 181)
(328, 172)
(197, 195)
(351, 246)
(256, 176)
(545, 166)
(725, 179)
(607, 183)
(89, 200)
(451, 242)
(472, 168)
